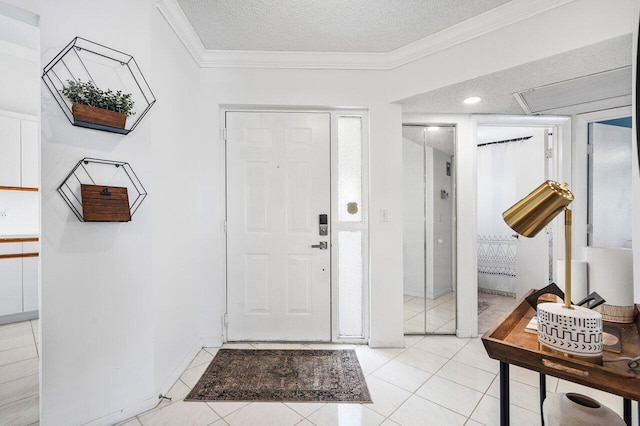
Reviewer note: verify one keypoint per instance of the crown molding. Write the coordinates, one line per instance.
(492, 20)
(175, 17)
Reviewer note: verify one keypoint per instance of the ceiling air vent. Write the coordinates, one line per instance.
(595, 92)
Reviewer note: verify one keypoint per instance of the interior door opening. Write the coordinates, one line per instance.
(512, 161)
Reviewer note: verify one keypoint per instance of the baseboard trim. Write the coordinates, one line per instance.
(22, 316)
(496, 292)
(414, 293)
(126, 413)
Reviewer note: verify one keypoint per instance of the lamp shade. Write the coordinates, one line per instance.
(531, 214)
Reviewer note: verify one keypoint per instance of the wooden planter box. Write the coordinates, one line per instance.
(105, 203)
(89, 114)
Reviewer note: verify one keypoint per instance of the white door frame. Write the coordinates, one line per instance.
(561, 155)
(335, 113)
(580, 168)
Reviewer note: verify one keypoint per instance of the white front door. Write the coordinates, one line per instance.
(278, 185)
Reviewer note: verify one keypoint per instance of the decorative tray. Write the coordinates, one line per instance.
(507, 341)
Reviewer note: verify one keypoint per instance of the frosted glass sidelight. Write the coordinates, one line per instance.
(350, 169)
(350, 282)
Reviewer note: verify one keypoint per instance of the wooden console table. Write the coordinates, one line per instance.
(507, 342)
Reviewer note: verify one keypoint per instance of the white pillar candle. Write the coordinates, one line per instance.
(610, 273)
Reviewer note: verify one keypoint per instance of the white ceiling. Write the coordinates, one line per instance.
(376, 27)
(497, 89)
(324, 25)
(442, 139)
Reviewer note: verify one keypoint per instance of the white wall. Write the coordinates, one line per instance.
(121, 302)
(317, 88)
(20, 90)
(177, 263)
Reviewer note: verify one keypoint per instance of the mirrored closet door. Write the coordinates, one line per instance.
(429, 229)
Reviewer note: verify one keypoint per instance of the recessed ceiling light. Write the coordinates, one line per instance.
(472, 100)
(433, 128)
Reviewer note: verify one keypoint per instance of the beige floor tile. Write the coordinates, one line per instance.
(412, 340)
(531, 378)
(18, 354)
(264, 414)
(488, 413)
(416, 411)
(402, 375)
(331, 346)
(466, 375)
(23, 412)
(212, 351)
(423, 360)
(474, 357)
(191, 376)
(19, 389)
(16, 342)
(180, 413)
(178, 391)
(203, 357)
(305, 409)
(224, 408)
(446, 346)
(520, 394)
(345, 414)
(15, 330)
(386, 397)
(18, 370)
(370, 360)
(415, 324)
(453, 396)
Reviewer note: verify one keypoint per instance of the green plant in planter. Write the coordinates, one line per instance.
(88, 94)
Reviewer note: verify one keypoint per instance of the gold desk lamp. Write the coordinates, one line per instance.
(573, 331)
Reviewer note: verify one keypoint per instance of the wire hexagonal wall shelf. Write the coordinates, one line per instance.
(111, 178)
(83, 61)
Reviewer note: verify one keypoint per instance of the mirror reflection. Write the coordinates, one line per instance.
(428, 212)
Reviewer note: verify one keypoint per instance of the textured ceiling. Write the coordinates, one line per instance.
(442, 139)
(497, 89)
(324, 25)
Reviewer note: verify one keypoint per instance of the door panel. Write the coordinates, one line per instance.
(278, 183)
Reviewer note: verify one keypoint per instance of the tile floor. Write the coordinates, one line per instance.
(441, 313)
(439, 380)
(19, 378)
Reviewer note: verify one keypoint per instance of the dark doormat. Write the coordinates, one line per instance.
(283, 376)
